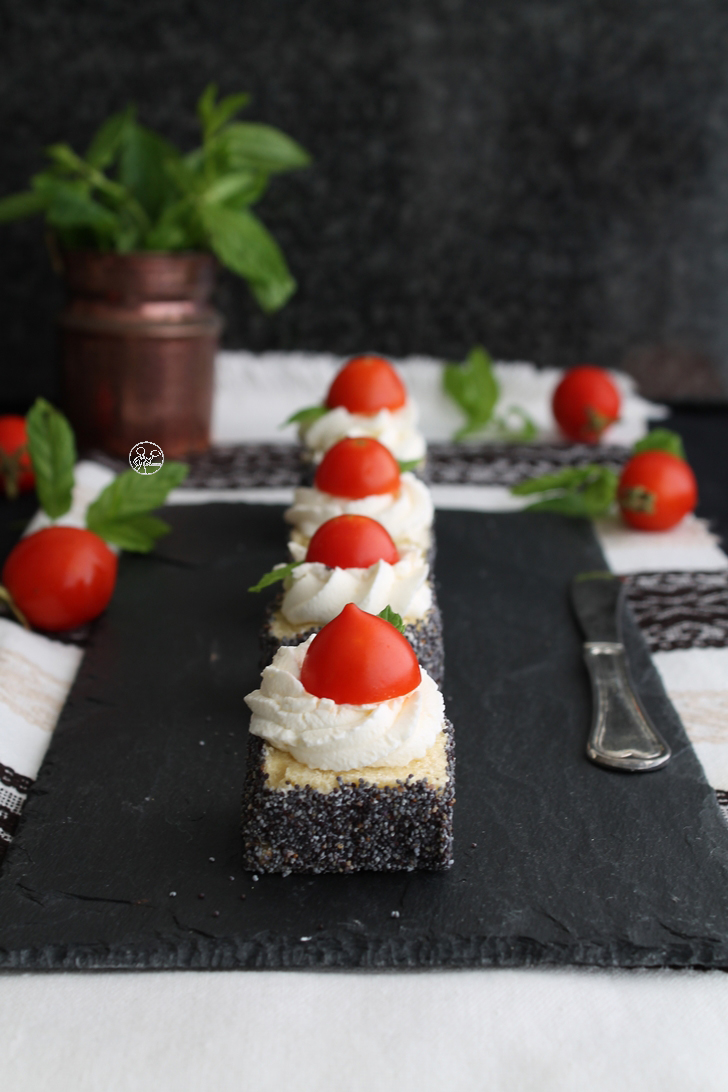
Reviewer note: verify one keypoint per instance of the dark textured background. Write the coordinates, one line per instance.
(549, 177)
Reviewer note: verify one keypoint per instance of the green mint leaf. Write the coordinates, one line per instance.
(279, 573)
(108, 139)
(261, 147)
(661, 439)
(306, 416)
(120, 514)
(137, 534)
(392, 617)
(585, 491)
(243, 244)
(411, 464)
(515, 426)
(474, 388)
(206, 106)
(52, 448)
(21, 205)
(68, 204)
(142, 169)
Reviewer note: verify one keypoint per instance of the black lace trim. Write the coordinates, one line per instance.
(680, 609)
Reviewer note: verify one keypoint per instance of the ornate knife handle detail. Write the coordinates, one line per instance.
(622, 735)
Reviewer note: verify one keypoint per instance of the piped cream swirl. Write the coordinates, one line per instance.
(406, 514)
(396, 429)
(315, 594)
(327, 736)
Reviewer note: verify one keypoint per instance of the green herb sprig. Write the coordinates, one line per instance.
(392, 617)
(121, 513)
(280, 572)
(132, 190)
(474, 388)
(590, 492)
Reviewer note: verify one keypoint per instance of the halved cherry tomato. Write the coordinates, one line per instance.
(357, 467)
(16, 472)
(656, 490)
(358, 659)
(60, 577)
(367, 384)
(585, 403)
(351, 542)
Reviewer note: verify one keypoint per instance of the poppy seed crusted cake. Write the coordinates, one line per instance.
(297, 819)
(350, 756)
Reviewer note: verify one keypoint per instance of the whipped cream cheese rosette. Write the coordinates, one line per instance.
(396, 429)
(322, 734)
(407, 514)
(314, 593)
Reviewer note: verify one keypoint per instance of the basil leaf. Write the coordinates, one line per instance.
(411, 464)
(306, 416)
(474, 387)
(661, 439)
(120, 513)
(142, 169)
(250, 144)
(279, 573)
(583, 491)
(392, 617)
(137, 534)
(214, 115)
(521, 433)
(20, 205)
(52, 448)
(108, 139)
(244, 245)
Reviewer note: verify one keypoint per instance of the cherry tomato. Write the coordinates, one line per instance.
(367, 384)
(585, 403)
(16, 471)
(60, 577)
(351, 542)
(656, 490)
(358, 659)
(357, 467)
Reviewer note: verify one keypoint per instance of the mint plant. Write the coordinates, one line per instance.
(132, 190)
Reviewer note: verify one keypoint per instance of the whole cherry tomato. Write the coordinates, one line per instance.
(656, 490)
(358, 659)
(16, 472)
(60, 577)
(357, 467)
(585, 403)
(351, 542)
(367, 384)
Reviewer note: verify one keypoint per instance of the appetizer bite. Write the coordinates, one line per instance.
(352, 559)
(359, 476)
(366, 398)
(350, 756)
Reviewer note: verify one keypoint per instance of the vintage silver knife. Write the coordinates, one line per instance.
(622, 735)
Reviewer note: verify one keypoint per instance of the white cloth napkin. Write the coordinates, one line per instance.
(255, 394)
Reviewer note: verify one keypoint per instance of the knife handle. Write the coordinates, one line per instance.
(622, 735)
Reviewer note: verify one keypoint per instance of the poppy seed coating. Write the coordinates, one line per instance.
(353, 827)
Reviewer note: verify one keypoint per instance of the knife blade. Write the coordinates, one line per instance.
(622, 735)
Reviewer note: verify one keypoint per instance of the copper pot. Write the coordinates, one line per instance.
(138, 346)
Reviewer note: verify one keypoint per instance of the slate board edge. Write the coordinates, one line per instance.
(346, 950)
(349, 951)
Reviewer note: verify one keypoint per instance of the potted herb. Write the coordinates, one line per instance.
(137, 228)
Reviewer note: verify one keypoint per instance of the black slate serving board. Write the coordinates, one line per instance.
(556, 860)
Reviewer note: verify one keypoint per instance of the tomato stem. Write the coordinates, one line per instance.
(7, 598)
